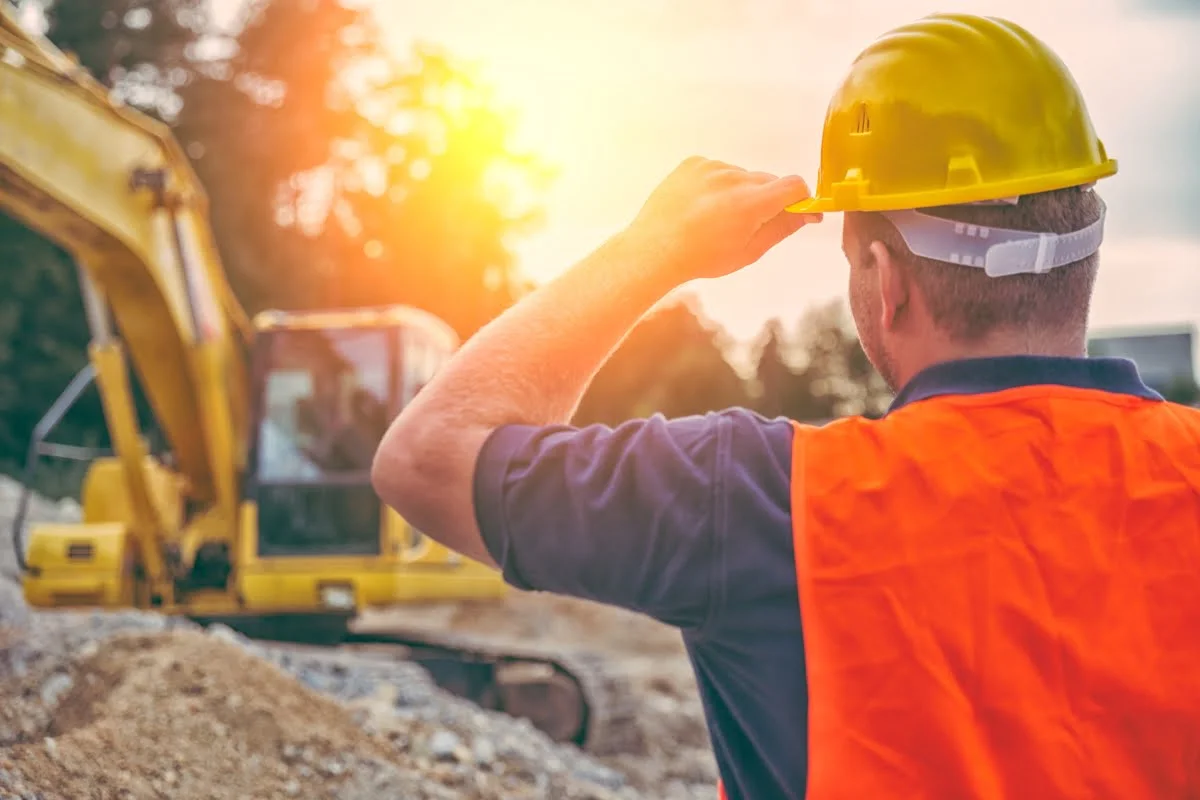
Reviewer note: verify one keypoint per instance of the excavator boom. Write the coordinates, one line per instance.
(114, 189)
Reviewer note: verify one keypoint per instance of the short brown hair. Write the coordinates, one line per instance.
(967, 303)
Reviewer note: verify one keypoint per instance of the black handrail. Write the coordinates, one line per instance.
(38, 447)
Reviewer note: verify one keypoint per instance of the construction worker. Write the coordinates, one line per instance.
(988, 593)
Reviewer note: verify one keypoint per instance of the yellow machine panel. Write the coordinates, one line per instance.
(80, 566)
(411, 569)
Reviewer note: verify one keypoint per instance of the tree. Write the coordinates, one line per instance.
(834, 367)
(338, 172)
(42, 344)
(819, 372)
(672, 363)
(772, 375)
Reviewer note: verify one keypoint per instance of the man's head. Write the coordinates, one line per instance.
(913, 311)
(947, 118)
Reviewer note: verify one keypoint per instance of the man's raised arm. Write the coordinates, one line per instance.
(532, 364)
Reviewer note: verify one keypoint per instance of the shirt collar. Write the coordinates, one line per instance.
(986, 375)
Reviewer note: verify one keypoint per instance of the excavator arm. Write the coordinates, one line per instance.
(113, 188)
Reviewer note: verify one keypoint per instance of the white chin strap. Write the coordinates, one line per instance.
(998, 251)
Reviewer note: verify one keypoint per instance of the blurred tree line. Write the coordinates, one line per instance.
(675, 362)
(341, 173)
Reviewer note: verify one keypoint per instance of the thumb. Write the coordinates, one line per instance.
(774, 231)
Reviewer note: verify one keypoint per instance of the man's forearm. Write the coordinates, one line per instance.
(533, 363)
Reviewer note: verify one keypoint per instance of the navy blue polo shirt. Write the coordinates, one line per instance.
(689, 521)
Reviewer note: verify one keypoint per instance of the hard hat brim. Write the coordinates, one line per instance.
(859, 198)
(813, 205)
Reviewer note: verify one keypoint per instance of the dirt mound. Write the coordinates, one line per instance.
(151, 715)
(185, 715)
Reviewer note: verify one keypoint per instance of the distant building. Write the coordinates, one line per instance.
(1165, 356)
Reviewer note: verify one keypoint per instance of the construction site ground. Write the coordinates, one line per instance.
(134, 705)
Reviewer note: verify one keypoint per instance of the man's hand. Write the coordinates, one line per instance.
(708, 218)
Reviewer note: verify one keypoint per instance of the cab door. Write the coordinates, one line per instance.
(323, 397)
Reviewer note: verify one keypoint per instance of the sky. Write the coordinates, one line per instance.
(615, 93)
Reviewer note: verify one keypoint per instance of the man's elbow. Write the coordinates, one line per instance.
(425, 474)
(422, 468)
(394, 473)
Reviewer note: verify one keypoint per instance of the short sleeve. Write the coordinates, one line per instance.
(636, 516)
(622, 516)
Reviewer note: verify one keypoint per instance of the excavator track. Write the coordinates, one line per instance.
(572, 695)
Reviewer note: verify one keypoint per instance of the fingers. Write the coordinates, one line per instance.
(791, 188)
(766, 197)
(780, 193)
(765, 193)
(727, 216)
(774, 231)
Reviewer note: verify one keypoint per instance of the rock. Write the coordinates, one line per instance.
(224, 633)
(58, 684)
(292, 788)
(443, 746)
(483, 751)
(599, 775)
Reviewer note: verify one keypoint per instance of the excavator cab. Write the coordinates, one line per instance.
(324, 386)
(324, 398)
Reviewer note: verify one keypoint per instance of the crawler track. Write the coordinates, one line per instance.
(572, 695)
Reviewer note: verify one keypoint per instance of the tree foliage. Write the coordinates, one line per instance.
(338, 173)
(817, 372)
(42, 345)
(672, 363)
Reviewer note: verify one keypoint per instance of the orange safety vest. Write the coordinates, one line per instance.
(1000, 596)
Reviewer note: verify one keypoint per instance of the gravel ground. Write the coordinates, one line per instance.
(134, 705)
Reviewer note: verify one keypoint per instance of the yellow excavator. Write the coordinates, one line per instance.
(259, 512)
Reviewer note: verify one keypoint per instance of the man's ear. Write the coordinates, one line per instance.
(894, 285)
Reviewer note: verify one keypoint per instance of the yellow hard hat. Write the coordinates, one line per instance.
(954, 108)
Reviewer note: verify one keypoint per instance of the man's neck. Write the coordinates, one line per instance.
(998, 344)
